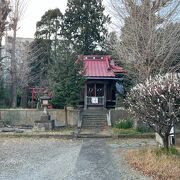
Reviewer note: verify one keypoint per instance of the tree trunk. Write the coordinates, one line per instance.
(66, 119)
(0, 49)
(14, 69)
(55, 43)
(24, 98)
(166, 141)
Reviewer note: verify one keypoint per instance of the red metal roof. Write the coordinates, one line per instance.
(100, 66)
(118, 69)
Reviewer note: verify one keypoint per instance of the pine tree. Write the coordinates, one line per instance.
(84, 25)
(48, 28)
(44, 47)
(66, 78)
(39, 61)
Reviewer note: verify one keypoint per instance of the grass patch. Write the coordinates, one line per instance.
(117, 131)
(130, 133)
(124, 124)
(164, 151)
(157, 163)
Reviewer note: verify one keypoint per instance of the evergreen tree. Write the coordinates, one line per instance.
(66, 78)
(84, 25)
(49, 24)
(39, 61)
(48, 27)
(44, 47)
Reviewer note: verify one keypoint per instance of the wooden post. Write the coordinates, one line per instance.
(95, 89)
(66, 118)
(105, 94)
(85, 96)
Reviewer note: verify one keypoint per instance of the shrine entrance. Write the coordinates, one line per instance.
(95, 94)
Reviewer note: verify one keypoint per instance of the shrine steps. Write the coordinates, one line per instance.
(94, 118)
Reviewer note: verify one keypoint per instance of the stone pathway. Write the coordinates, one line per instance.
(95, 132)
(95, 162)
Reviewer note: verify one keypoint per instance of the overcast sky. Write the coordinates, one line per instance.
(34, 10)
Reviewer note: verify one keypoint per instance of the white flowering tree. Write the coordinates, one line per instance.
(157, 103)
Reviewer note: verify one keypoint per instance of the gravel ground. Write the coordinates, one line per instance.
(119, 147)
(37, 159)
(51, 159)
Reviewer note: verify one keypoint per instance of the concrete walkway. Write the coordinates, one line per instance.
(95, 162)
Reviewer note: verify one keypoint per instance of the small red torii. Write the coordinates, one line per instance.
(39, 91)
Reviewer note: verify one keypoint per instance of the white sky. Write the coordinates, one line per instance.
(34, 10)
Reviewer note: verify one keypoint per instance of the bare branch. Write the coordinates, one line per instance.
(150, 36)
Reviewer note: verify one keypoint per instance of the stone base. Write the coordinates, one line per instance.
(45, 117)
(159, 139)
(1, 124)
(43, 125)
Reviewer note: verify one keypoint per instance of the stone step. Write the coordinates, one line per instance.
(94, 115)
(94, 118)
(95, 112)
(94, 122)
(93, 136)
(94, 126)
(98, 115)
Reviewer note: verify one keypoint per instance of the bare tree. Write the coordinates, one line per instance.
(17, 11)
(4, 11)
(149, 35)
(23, 69)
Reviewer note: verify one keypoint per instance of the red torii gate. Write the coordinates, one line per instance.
(36, 91)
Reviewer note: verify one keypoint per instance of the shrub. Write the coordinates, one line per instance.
(171, 151)
(124, 124)
(7, 122)
(143, 128)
